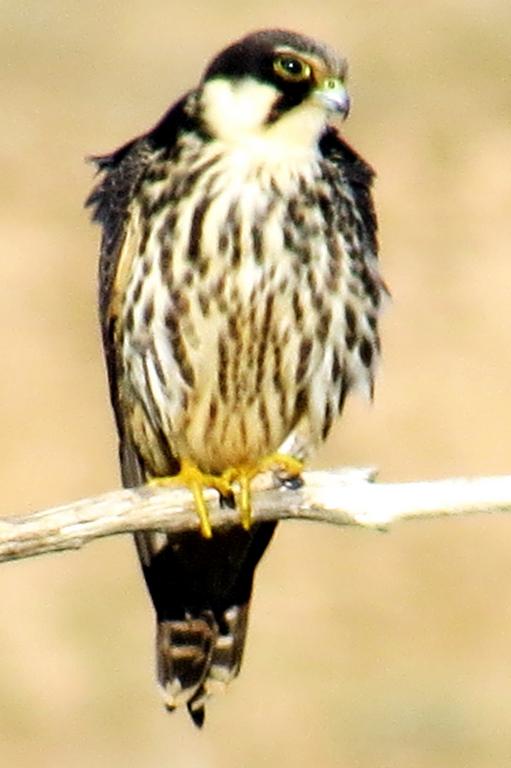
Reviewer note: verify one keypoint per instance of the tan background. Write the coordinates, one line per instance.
(364, 650)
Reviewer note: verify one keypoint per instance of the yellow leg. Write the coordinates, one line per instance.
(289, 464)
(195, 480)
(202, 510)
(245, 499)
(245, 474)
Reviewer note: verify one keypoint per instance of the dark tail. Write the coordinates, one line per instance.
(201, 593)
(195, 659)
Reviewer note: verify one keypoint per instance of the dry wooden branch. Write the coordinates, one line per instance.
(346, 497)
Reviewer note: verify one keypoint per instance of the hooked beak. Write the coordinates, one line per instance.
(333, 96)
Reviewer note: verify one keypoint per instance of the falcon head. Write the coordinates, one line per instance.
(273, 84)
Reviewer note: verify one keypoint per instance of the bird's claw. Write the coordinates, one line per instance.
(234, 477)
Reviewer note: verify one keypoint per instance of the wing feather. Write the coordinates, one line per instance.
(111, 202)
(359, 174)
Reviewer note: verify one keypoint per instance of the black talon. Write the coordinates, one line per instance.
(292, 482)
(227, 500)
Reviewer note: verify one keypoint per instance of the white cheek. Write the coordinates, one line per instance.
(300, 127)
(238, 108)
(236, 112)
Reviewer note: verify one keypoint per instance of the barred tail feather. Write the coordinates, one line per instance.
(196, 660)
(184, 650)
(228, 650)
(201, 593)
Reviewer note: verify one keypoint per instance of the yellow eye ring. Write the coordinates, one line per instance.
(291, 68)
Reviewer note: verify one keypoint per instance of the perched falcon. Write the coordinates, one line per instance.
(239, 297)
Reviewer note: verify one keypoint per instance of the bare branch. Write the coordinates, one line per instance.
(346, 497)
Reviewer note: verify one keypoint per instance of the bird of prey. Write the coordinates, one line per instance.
(239, 294)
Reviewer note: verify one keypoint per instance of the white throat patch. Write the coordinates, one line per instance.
(237, 111)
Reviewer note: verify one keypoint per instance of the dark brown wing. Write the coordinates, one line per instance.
(123, 171)
(359, 175)
(110, 201)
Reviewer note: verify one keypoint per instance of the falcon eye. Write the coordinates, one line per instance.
(291, 69)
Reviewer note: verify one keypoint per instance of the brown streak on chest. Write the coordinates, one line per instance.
(263, 339)
(223, 362)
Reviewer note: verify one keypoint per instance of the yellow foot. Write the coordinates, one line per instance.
(195, 480)
(288, 464)
(243, 475)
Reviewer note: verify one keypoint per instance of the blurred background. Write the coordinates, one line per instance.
(364, 650)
